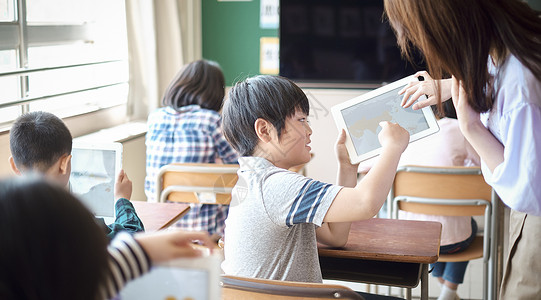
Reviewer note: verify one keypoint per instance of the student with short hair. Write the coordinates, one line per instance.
(41, 142)
(188, 130)
(52, 248)
(277, 217)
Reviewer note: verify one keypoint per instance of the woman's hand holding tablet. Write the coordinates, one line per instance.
(360, 118)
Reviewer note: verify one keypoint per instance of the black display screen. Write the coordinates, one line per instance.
(340, 41)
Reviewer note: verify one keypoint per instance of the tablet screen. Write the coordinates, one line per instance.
(362, 119)
(92, 179)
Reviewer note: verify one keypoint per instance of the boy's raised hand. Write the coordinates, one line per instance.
(342, 152)
(393, 135)
(123, 186)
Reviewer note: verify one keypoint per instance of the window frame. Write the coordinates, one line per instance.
(20, 36)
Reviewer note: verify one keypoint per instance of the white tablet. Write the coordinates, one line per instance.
(185, 278)
(360, 118)
(94, 168)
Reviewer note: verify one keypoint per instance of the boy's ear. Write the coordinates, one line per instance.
(64, 163)
(13, 166)
(263, 130)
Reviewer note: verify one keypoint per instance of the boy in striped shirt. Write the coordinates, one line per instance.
(277, 217)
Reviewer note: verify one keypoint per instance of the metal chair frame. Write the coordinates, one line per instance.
(489, 248)
(215, 170)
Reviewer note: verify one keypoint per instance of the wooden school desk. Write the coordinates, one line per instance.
(156, 216)
(385, 251)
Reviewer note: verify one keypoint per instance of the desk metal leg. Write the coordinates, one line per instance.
(424, 282)
(495, 262)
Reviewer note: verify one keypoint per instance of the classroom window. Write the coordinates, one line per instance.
(68, 57)
(6, 11)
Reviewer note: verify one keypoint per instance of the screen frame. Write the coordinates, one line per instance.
(353, 32)
(111, 146)
(336, 111)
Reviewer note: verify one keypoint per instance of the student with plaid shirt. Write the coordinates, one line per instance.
(188, 130)
(40, 142)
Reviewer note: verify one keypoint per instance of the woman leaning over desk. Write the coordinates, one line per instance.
(491, 48)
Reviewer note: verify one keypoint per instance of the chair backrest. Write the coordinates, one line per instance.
(450, 191)
(196, 183)
(459, 191)
(242, 288)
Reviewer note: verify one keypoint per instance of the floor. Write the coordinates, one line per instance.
(471, 289)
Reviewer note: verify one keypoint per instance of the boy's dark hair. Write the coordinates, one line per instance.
(52, 248)
(200, 82)
(38, 139)
(272, 98)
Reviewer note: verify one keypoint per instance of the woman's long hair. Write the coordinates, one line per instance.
(457, 37)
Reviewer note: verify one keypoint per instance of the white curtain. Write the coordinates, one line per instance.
(163, 35)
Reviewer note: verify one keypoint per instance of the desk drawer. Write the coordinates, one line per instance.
(370, 271)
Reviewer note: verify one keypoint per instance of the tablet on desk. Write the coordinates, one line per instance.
(94, 168)
(360, 118)
(195, 278)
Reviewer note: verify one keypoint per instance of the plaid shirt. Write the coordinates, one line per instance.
(192, 135)
(126, 219)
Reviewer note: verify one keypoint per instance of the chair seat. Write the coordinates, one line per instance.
(475, 250)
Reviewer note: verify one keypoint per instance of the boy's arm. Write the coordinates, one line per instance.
(365, 200)
(336, 233)
(126, 217)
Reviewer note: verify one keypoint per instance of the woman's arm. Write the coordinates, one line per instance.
(480, 138)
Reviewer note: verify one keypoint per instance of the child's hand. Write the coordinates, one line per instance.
(123, 186)
(393, 135)
(167, 245)
(342, 152)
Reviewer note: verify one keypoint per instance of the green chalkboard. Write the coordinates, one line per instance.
(535, 4)
(231, 34)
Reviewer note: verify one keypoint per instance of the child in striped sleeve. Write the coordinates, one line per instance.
(277, 217)
(52, 247)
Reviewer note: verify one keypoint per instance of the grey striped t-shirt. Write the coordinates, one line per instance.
(270, 229)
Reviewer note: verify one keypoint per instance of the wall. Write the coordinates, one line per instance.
(231, 36)
(132, 137)
(324, 165)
